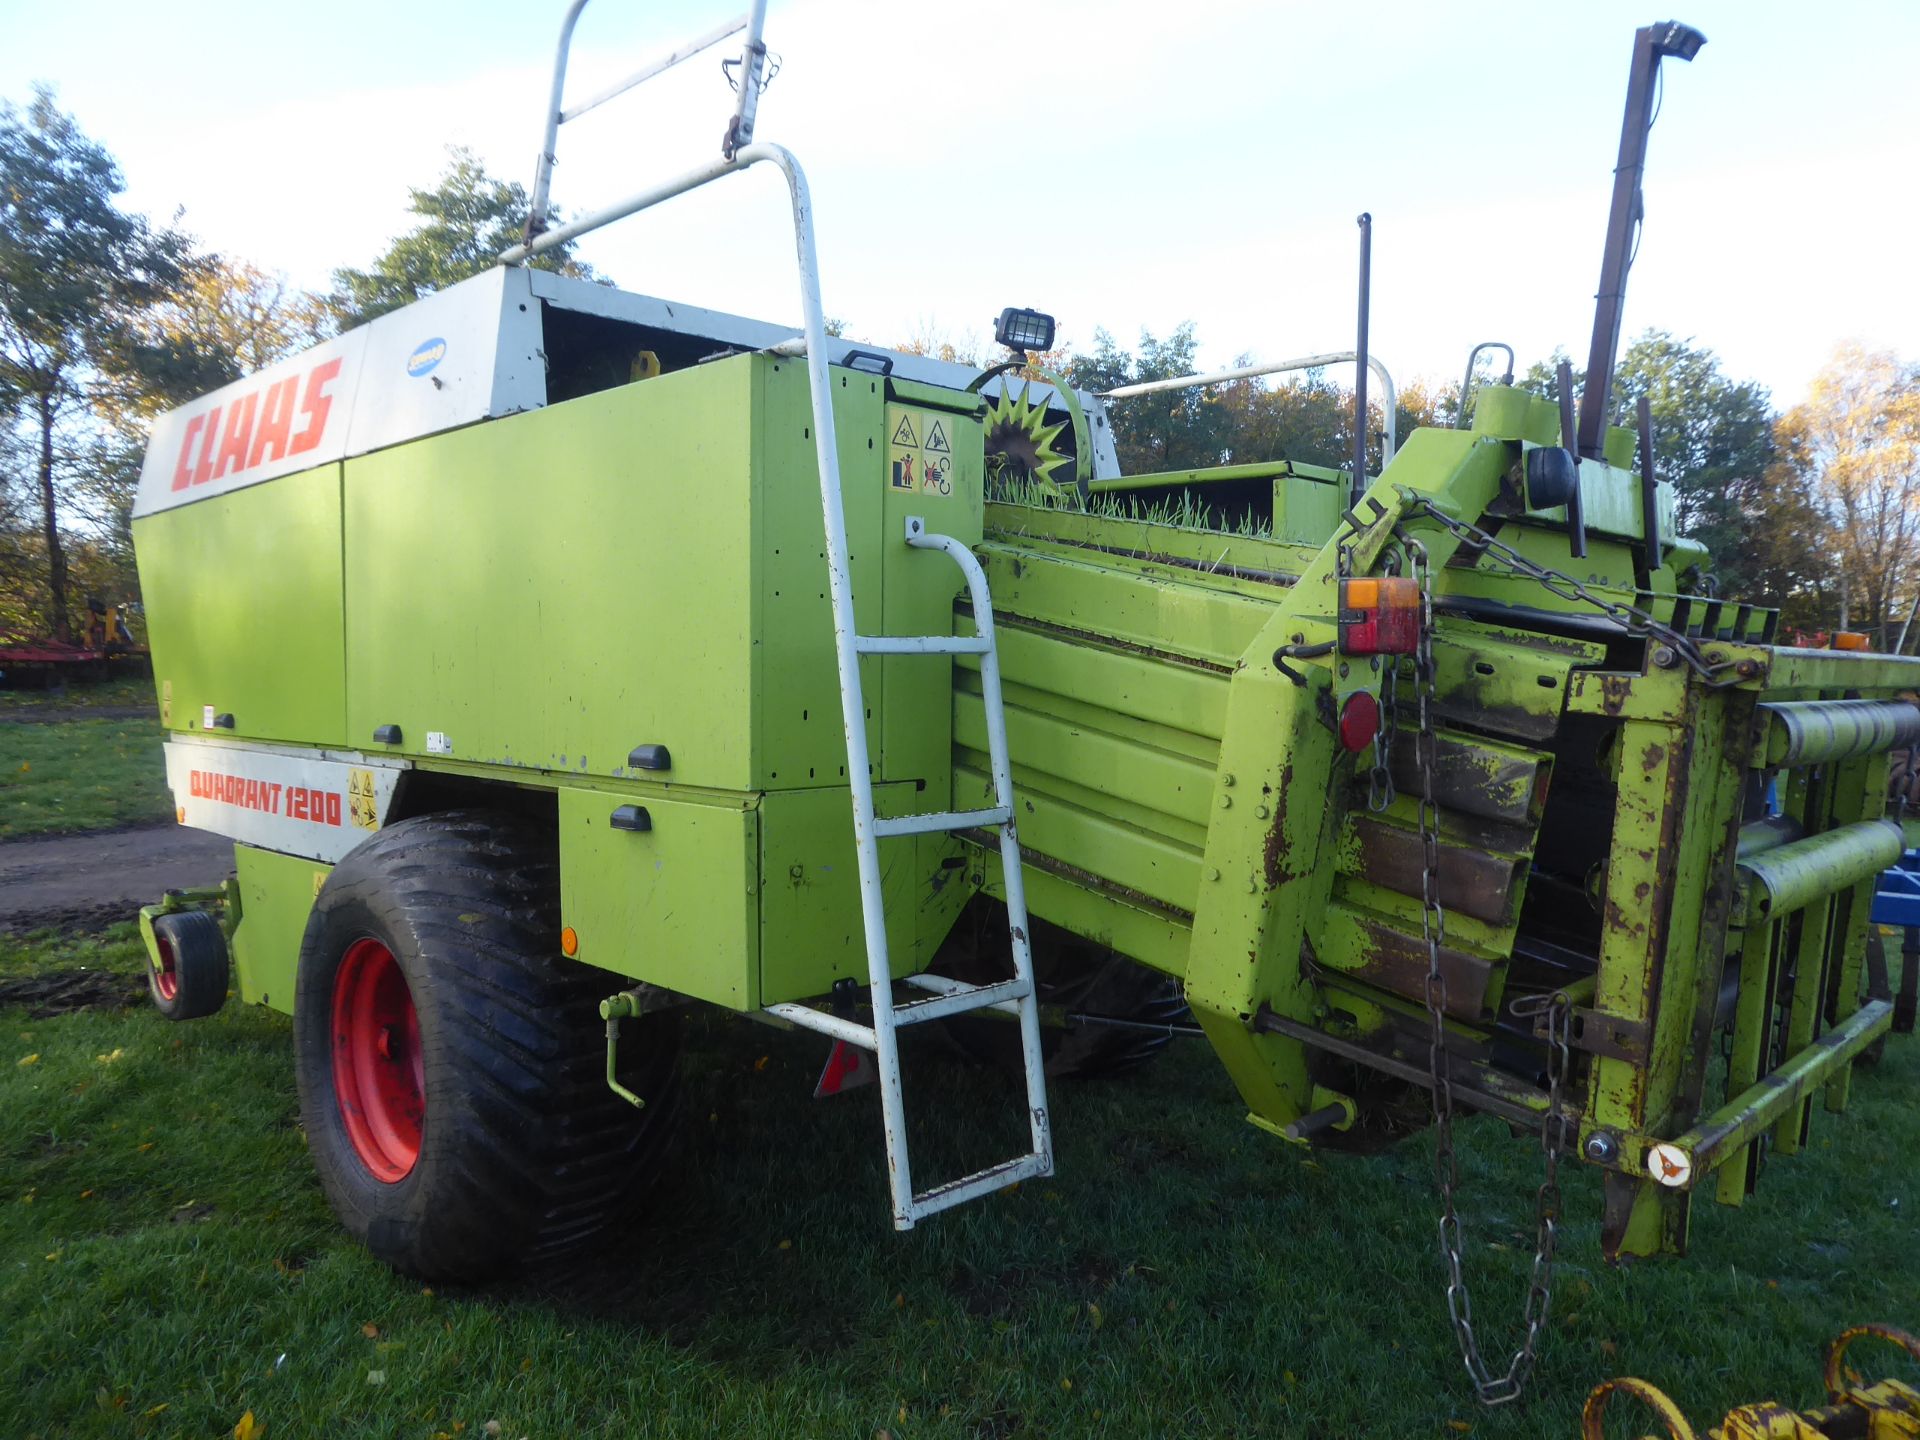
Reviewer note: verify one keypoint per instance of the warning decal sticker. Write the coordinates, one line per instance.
(923, 467)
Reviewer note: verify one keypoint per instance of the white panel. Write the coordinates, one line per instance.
(280, 800)
(430, 366)
(469, 352)
(290, 416)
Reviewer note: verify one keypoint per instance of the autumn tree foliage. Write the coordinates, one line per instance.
(107, 319)
(1849, 466)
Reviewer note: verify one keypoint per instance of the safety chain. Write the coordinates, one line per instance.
(1489, 1388)
(1380, 791)
(1631, 617)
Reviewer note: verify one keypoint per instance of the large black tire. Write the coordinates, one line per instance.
(190, 979)
(1073, 974)
(474, 1136)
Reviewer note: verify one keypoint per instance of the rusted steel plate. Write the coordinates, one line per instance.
(1494, 783)
(1398, 962)
(1471, 881)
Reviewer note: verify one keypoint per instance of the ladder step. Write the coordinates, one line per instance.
(941, 985)
(932, 820)
(960, 1000)
(922, 644)
(969, 1187)
(819, 1021)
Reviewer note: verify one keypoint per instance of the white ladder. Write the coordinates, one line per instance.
(739, 150)
(949, 997)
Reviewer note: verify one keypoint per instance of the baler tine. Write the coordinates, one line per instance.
(949, 997)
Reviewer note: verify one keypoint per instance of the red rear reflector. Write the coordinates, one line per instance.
(1379, 615)
(1359, 720)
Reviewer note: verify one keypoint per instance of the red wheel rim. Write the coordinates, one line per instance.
(166, 975)
(378, 1075)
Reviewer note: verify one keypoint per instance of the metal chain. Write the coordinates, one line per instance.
(1380, 791)
(1489, 1388)
(1631, 617)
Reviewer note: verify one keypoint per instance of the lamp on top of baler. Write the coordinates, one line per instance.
(1023, 330)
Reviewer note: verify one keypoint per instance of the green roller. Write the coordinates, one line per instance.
(1807, 732)
(1791, 877)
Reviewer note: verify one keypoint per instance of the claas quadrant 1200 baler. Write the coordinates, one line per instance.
(559, 657)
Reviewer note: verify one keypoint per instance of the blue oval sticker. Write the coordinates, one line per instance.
(426, 355)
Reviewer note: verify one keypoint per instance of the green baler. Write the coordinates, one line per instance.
(538, 698)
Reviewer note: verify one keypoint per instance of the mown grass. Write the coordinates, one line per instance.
(167, 1263)
(117, 693)
(80, 775)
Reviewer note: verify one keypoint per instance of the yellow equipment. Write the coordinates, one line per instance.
(1888, 1410)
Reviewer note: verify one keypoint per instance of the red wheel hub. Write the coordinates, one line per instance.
(378, 1074)
(166, 975)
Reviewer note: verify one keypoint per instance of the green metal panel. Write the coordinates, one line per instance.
(1306, 511)
(242, 594)
(276, 894)
(810, 925)
(675, 905)
(641, 565)
(527, 588)
(1103, 597)
(798, 740)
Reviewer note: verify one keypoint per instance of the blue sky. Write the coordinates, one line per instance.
(1124, 165)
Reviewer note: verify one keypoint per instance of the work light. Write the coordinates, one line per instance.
(1024, 330)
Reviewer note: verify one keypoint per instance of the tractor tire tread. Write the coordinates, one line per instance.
(527, 1154)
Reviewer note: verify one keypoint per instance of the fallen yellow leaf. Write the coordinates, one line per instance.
(1461, 1425)
(33, 1059)
(248, 1428)
(370, 1330)
(155, 1410)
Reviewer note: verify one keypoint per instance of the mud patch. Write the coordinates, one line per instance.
(68, 919)
(61, 992)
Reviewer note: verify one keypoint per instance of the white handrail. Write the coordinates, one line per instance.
(739, 131)
(666, 62)
(1390, 398)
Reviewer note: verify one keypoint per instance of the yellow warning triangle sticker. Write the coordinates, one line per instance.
(904, 435)
(937, 438)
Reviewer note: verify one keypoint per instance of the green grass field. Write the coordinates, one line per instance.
(167, 1263)
(122, 692)
(80, 775)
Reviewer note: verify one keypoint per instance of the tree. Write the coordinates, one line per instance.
(468, 219)
(74, 270)
(1173, 430)
(230, 308)
(1853, 451)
